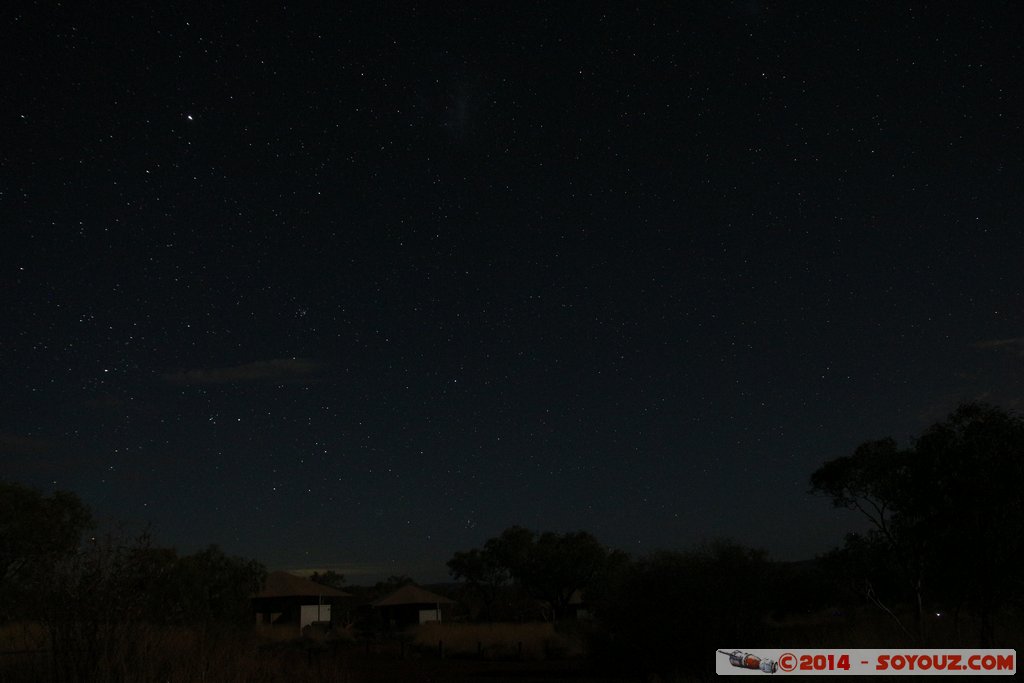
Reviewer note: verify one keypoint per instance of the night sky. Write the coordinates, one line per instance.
(356, 288)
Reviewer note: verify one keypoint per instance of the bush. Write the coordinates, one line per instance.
(659, 610)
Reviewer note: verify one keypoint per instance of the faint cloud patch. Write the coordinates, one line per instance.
(26, 445)
(1013, 344)
(278, 370)
(35, 456)
(992, 373)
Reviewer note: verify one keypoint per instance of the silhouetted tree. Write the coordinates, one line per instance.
(36, 529)
(550, 567)
(94, 598)
(329, 578)
(392, 583)
(863, 567)
(948, 511)
(659, 608)
(971, 507)
(37, 532)
(212, 587)
(483, 574)
(875, 481)
(559, 565)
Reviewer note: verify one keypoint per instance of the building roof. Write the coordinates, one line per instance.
(412, 595)
(285, 585)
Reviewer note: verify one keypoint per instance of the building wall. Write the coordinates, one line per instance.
(429, 615)
(310, 613)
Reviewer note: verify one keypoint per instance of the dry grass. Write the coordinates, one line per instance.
(869, 628)
(18, 636)
(274, 633)
(531, 641)
(146, 653)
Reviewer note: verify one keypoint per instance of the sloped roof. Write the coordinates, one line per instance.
(285, 585)
(412, 595)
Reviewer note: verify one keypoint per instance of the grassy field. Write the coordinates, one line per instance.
(441, 653)
(530, 641)
(144, 654)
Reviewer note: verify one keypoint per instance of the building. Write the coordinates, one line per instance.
(410, 605)
(287, 599)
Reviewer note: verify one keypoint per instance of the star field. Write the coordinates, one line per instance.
(361, 287)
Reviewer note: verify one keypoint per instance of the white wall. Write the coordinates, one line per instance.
(427, 615)
(310, 613)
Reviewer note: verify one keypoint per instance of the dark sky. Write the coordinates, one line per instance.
(358, 288)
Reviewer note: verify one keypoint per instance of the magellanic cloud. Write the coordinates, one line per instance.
(282, 370)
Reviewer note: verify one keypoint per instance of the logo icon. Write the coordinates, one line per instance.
(744, 660)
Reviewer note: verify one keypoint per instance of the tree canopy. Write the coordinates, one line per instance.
(47, 570)
(654, 605)
(549, 566)
(948, 510)
(37, 531)
(328, 578)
